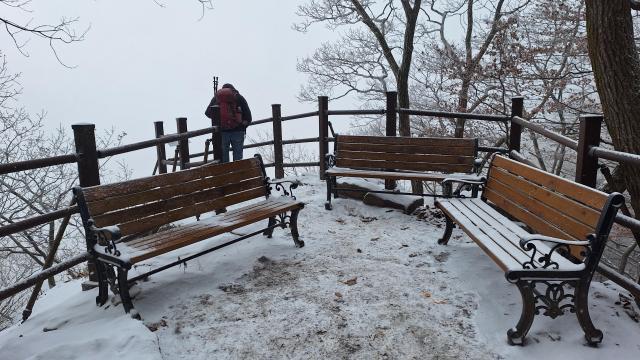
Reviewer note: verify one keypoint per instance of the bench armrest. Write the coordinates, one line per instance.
(470, 180)
(279, 185)
(529, 238)
(540, 259)
(106, 236)
(465, 182)
(329, 160)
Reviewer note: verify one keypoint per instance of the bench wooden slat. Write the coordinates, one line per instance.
(430, 158)
(133, 186)
(386, 174)
(404, 149)
(141, 211)
(510, 230)
(570, 208)
(508, 243)
(167, 191)
(229, 216)
(167, 241)
(583, 194)
(515, 190)
(196, 233)
(538, 225)
(402, 165)
(404, 140)
(502, 258)
(154, 221)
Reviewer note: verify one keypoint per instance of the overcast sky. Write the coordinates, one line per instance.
(141, 63)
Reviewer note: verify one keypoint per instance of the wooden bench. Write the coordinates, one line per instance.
(566, 226)
(121, 219)
(398, 158)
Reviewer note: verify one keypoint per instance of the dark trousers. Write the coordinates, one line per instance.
(235, 139)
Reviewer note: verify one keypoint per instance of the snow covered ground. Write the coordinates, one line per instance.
(370, 283)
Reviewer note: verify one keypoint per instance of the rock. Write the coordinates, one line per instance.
(407, 203)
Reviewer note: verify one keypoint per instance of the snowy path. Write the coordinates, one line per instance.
(369, 284)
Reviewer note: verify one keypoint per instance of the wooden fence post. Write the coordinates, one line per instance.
(278, 156)
(587, 166)
(391, 126)
(84, 136)
(181, 125)
(160, 148)
(323, 132)
(216, 136)
(515, 131)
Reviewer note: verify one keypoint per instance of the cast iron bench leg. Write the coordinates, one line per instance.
(293, 224)
(327, 205)
(516, 335)
(125, 297)
(103, 283)
(591, 334)
(447, 231)
(271, 225)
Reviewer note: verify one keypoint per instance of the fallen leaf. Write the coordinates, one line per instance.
(425, 293)
(350, 282)
(443, 301)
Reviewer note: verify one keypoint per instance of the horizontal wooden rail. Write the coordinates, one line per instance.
(154, 142)
(518, 156)
(300, 141)
(299, 116)
(37, 163)
(568, 142)
(614, 155)
(255, 145)
(357, 112)
(262, 121)
(623, 281)
(455, 115)
(628, 221)
(38, 220)
(497, 149)
(301, 164)
(43, 275)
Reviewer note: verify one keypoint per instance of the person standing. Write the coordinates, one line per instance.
(235, 116)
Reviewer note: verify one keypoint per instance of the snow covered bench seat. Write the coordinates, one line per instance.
(566, 226)
(122, 220)
(398, 158)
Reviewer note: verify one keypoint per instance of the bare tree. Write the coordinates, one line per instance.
(33, 192)
(62, 32)
(616, 66)
(291, 153)
(375, 49)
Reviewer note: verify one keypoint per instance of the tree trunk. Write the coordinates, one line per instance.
(616, 68)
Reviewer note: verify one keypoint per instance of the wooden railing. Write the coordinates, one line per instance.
(87, 157)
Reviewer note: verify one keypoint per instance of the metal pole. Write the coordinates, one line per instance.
(278, 157)
(587, 166)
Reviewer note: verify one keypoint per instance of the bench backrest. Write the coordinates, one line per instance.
(144, 204)
(548, 204)
(447, 155)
